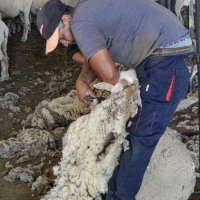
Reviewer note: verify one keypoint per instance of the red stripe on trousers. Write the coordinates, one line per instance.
(138, 119)
(152, 122)
(169, 94)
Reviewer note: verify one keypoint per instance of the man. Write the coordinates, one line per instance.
(139, 34)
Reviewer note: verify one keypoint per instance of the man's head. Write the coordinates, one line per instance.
(53, 22)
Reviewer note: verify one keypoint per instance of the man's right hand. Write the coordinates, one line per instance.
(83, 90)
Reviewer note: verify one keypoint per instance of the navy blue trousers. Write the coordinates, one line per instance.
(164, 82)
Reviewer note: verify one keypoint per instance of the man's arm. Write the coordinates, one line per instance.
(104, 67)
(78, 58)
(74, 53)
(100, 65)
(87, 74)
(86, 77)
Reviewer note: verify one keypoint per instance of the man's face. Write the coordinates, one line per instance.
(65, 34)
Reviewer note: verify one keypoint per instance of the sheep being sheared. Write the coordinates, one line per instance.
(89, 156)
(3, 50)
(92, 147)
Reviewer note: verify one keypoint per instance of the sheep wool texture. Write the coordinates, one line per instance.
(92, 146)
(170, 173)
(60, 111)
(91, 150)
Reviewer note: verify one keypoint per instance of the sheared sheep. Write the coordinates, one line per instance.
(91, 150)
(170, 173)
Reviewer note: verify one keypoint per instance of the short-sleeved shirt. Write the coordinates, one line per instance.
(130, 29)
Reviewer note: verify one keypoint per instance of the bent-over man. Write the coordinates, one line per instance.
(139, 34)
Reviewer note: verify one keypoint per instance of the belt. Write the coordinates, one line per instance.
(172, 51)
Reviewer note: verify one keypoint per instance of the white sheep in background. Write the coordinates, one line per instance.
(179, 5)
(11, 9)
(92, 147)
(3, 50)
(37, 4)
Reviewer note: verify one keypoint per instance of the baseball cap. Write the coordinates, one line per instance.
(48, 19)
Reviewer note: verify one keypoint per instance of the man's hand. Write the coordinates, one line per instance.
(83, 90)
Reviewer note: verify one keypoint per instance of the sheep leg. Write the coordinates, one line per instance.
(31, 20)
(18, 27)
(13, 28)
(26, 23)
(8, 22)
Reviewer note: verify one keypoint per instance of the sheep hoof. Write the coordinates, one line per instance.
(23, 39)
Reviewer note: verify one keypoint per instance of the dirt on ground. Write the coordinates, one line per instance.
(34, 77)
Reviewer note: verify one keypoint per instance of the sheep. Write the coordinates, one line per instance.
(89, 156)
(38, 4)
(3, 51)
(170, 173)
(19, 7)
(179, 5)
(92, 147)
(14, 24)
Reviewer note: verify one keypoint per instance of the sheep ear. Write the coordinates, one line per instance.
(104, 86)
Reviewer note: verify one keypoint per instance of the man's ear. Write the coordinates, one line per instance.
(66, 18)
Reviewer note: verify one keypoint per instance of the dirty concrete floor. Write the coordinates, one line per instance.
(28, 65)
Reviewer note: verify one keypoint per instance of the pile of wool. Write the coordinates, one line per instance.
(28, 142)
(192, 144)
(8, 101)
(185, 103)
(41, 183)
(59, 85)
(24, 174)
(60, 111)
(92, 146)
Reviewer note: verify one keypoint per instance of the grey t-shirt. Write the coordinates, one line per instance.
(129, 29)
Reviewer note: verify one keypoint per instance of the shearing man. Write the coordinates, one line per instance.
(139, 34)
